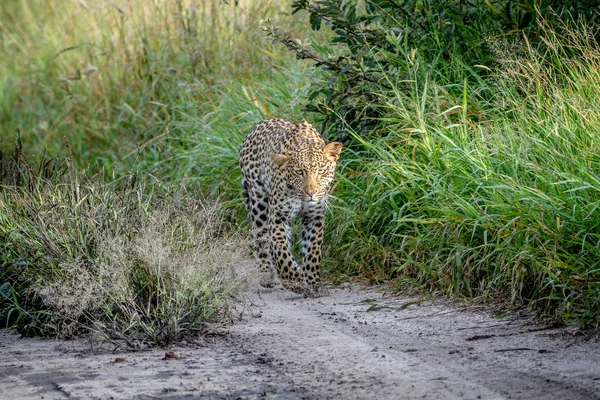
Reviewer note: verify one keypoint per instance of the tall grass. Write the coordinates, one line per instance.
(108, 76)
(502, 205)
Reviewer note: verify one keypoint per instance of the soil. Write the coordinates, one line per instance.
(356, 343)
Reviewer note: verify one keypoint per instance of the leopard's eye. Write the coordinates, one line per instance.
(323, 170)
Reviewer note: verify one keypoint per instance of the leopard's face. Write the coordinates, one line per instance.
(307, 174)
(310, 177)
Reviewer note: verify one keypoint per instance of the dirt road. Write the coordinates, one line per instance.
(356, 343)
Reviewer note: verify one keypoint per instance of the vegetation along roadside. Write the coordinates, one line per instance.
(470, 166)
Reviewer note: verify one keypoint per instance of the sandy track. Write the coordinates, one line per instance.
(354, 344)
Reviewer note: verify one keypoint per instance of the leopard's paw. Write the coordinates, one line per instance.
(267, 279)
(295, 286)
(316, 291)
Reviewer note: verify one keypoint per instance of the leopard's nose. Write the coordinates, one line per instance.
(311, 193)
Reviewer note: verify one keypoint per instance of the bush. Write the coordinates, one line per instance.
(126, 259)
(381, 45)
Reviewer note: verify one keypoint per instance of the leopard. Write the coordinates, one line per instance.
(287, 174)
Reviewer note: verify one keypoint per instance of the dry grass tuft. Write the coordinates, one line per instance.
(120, 259)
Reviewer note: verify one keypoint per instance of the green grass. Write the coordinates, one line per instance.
(111, 79)
(176, 85)
(502, 204)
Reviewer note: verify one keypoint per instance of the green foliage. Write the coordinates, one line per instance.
(470, 165)
(377, 45)
(503, 207)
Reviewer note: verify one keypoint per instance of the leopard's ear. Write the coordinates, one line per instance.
(332, 151)
(279, 159)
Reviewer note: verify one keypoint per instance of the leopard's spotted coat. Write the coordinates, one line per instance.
(288, 170)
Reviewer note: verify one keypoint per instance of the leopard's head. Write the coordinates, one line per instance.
(307, 167)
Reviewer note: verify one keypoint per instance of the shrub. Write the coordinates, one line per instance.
(126, 259)
(379, 45)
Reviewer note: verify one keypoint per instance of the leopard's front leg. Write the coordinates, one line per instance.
(313, 227)
(292, 276)
(312, 239)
